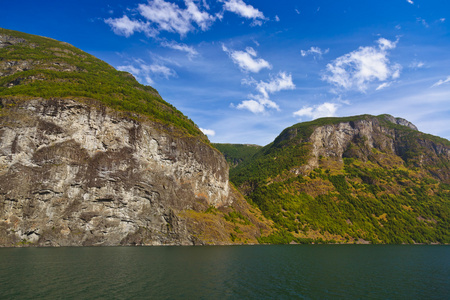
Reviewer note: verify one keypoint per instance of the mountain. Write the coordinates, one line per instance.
(88, 156)
(363, 179)
(237, 153)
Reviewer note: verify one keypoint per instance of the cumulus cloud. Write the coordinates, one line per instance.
(160, 15)
(208, 132)
(260, 102)
(191, 52)
(282, 81)
(410, 1)
(246, 60)
(326, 109)
(441, 82)
(126, 27)
(170, 17)
(357, 69)
(316, 51)
(257, 106)
(242, 9)
(252, 105)
(385, 44)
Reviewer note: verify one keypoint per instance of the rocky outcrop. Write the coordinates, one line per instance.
(74, 173)
(400, 121)
(357, 138)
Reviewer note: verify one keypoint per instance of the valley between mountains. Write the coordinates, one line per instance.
(90, 157)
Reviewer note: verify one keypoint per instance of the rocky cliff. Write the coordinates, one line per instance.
(90, 157)
(360, 136)
(356, 179)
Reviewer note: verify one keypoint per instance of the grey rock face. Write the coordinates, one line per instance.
(400, 121)
(79, 174)
(357, 139)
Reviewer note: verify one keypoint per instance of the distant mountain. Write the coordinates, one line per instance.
(88, 156)
(358, 179)
(237, 153)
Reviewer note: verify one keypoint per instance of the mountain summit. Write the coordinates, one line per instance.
(364, 179)
(88, 156)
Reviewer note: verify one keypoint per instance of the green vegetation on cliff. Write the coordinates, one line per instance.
(237, 153)
(392, 189)
(34, 66)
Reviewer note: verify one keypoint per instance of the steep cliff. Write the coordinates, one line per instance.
(363, 178)
(88, 156)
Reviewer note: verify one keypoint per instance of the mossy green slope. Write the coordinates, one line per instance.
(371, 193)
(237, 153)
(34, 66)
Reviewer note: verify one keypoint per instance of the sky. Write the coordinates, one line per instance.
(243, 70)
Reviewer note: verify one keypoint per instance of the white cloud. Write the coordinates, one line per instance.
(163, 16)
(244, 10)
(205, 4)
(125, 26)
(252, 105)
(423, 21)
(326, 109)
(256, 23)
(410, 1)
(160, 70)
(385, 44)
(314, 51)
(277, 19)
(246, 60)
(203, 19)
(417, 64)
(160, 15)
(442, 20)
(130, 69)
(258, 105)
(441, 82)
(355, 70)
(208, 132)
(166, 16)
(260, 102)
(191, 52)
(297, 11)
(141, 73)
(383, 85)
(282, 81)
(144, 72)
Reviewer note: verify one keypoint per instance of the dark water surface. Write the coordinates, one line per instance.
(230, 272)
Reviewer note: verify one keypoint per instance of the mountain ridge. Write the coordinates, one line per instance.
(331, 178)
(90, 157)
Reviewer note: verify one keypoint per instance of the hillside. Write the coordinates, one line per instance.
(88, 157)
(357, 179)
(237, 153)
(34, 66)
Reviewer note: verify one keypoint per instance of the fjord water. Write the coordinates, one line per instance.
(224, 272)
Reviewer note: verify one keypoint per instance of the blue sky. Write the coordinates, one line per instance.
(243, 70)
